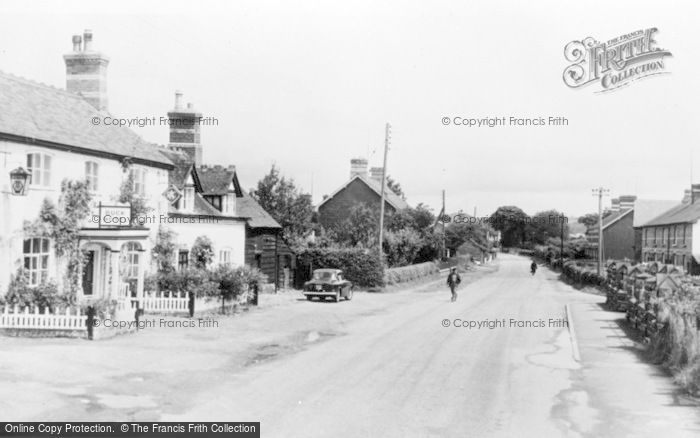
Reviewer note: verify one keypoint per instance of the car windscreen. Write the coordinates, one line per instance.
(326, 276)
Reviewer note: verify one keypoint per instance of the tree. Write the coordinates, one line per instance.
(360, 228)
(291, 208)
(457, 234)
(546, 224)
(588, 220)
(395, 187)
(401, 247)
(201, 252)
(164, 251)
(511, 222)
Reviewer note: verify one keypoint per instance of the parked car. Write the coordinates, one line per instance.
(328, 283)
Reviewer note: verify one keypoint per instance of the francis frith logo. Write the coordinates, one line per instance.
(614, 63)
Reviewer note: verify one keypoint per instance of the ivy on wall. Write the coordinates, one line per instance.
(62, 225)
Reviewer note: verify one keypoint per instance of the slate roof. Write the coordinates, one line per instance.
(681, 213)
(392, 198)
(258, 217)
(646, 210)
(183, 165)
(51, 117)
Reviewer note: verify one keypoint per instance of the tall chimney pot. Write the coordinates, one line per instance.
(87, 40)
(178, 99)
(77, 42)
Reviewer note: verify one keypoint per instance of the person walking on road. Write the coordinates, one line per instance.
(453, 280)
(533, 268)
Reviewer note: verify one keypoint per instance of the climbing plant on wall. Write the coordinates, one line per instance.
(62, 225)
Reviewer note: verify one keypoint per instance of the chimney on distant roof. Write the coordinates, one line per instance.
(178, 99)
(86, 71)
(627, 202)
(377, 174)
(87, 40)
(687, 198)
(694, 193)
(615, 205)
(358, 166)
(77, 43)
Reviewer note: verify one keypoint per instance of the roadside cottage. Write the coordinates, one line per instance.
(55, 135)
(56, 152)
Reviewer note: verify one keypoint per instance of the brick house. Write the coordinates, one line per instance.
(622, 233)
(361, 188)
(670, 237)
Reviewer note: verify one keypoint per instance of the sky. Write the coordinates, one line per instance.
(309, 85)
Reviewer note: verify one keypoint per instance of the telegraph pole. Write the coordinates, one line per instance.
(387, 140)
(600, 192)
(444, 240)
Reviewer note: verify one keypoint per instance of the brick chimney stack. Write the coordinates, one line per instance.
(694, 193)
(686, 197)
(185, 130)
(615, 205)
(627, 202)
(358, 166)
(86, 71)
(377, 174)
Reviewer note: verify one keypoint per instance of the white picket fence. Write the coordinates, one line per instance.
(69, 319)
(158, 302)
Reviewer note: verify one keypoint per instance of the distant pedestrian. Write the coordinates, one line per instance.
(453, 280)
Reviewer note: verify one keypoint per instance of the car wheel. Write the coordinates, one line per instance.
(309, 297)
(348, 295)
(337, 296)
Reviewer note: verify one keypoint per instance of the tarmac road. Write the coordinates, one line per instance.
(395, 364)
(403, 373)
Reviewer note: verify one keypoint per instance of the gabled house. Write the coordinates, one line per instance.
(622, 233)
(251, 236)
(671, 236)
(361, 188)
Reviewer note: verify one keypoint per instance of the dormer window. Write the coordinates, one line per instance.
(229, 204)
(188, 195)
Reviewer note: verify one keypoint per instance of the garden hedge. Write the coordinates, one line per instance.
(361, 266)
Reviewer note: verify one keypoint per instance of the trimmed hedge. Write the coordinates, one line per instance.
(409, 273)
(362, 267)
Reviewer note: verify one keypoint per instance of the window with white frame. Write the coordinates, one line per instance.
(131, 252)
(36, 260)
(138, 176)
(92, 175)
(225, 256)
(188, 198)
(39, 168)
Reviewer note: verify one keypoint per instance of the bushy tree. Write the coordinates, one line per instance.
(164, 250)
(511, 222)
(291, 208)
(588, 220)
(202, 252)
(395, 187)
(401, 247)
(360, 228)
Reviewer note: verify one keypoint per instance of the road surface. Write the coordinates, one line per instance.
(403, 373)
(398, 364)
